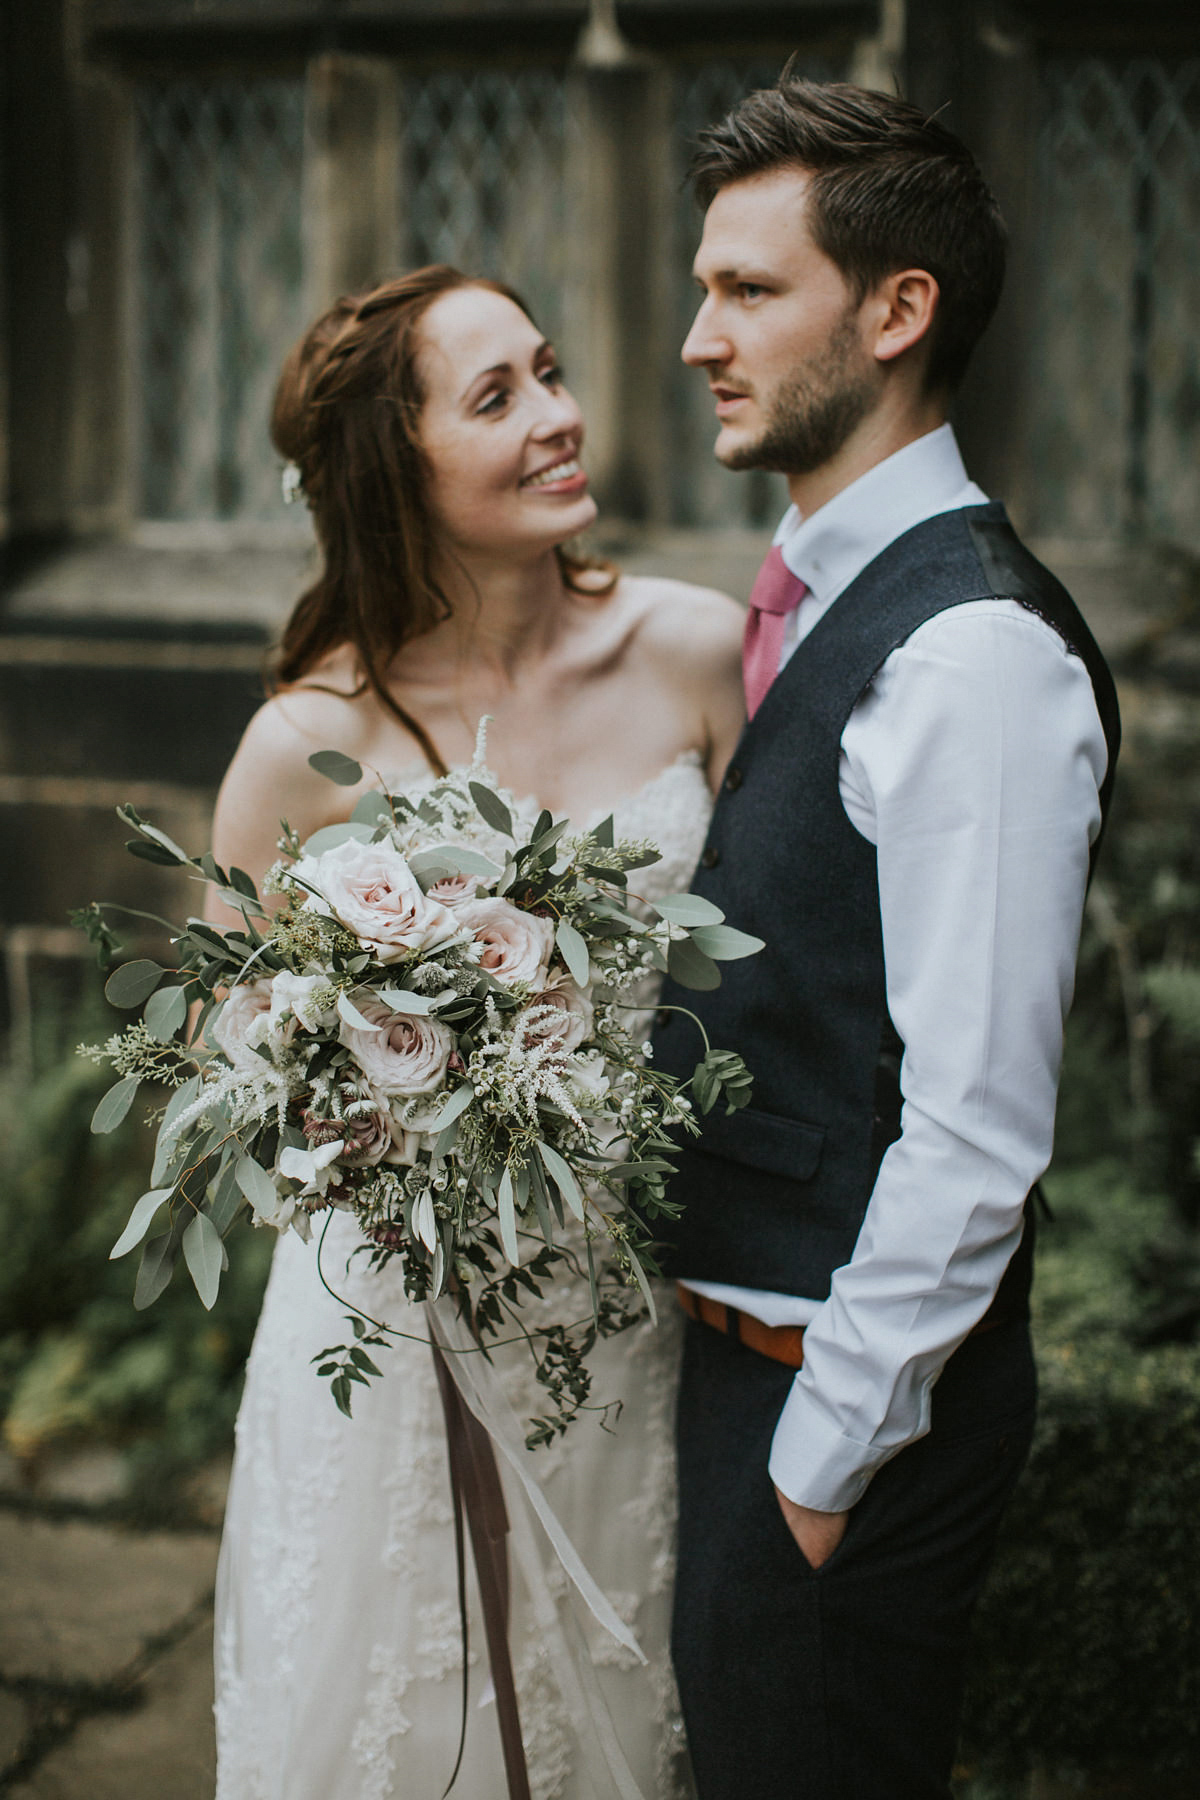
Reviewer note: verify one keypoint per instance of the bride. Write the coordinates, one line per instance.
(439, 453)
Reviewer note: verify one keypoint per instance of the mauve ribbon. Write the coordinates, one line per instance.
(483, 1397)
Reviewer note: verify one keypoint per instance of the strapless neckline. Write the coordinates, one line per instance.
(529, 803)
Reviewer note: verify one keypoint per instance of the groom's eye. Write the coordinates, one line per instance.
(750, 290)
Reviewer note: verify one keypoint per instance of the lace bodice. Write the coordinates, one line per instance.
(338, 1650)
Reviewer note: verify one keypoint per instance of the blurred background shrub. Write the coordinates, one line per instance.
(77, 1364)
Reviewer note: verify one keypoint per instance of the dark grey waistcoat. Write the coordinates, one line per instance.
(775, 1195)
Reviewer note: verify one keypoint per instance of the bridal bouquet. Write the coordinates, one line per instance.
(432, 1033)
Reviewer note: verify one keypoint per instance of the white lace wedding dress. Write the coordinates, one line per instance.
(338, 1655)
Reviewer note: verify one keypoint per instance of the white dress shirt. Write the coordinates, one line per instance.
(973, 762)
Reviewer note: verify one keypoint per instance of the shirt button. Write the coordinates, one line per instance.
(711, 857)
(733, 780)
(663, 1017)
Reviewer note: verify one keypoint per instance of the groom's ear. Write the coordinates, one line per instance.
(902, 310)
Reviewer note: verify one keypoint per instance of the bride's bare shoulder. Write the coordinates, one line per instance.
(327, 709)
(695, 626)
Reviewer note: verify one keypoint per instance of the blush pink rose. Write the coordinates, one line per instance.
(242, 1022)
(515, 945)
(559, 1017)
(453, 890)
(373, 892)
(408, 1055)
(370, 1136)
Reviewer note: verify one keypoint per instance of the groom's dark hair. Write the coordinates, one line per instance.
(891, 189)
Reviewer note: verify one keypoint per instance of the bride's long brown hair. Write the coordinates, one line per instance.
(347, 410)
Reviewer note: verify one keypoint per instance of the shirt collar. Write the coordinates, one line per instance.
(833, 545)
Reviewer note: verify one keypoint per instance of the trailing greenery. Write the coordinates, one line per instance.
(77, 1362)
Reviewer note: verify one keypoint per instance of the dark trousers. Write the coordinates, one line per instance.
(842, 1683)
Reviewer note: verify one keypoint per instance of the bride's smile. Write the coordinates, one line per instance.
(501, 432)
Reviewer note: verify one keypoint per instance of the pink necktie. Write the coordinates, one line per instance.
(775, 594)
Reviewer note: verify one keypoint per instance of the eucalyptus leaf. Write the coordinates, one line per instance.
(330, 837)
(445, 1140)
(239, 901)
(155, 1269)
(140, 1220)
(574, 951)
(152, 853)
(640, 1275)
(561, 1175)
(160, 837)
(203, 1253)
(133, 982)
(541, 1202)
(724, 943)
(336, 767)
(257, 1186)
(213, 869)
(114, 1105)
(225, 1195)
(350, 1013)
(403, 1000)
(492, 809)
(372, 809)
(690, 967)
(425, 1220)
(689, 909)
(207, 936)
(165, 1012)
(546, 840)
(164, 1150)
(454, 859)
(506, 1218)
(458, 1103)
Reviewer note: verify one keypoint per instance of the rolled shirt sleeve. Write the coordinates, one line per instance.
(974, 763)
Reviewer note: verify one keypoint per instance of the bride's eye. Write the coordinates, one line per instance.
(495, 402)
(553, 375)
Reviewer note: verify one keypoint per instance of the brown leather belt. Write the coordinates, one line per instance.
(782, 1343)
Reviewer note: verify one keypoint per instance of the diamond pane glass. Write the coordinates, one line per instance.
(1116, 419)
(218, 174)
(703, 493)
(483, 178)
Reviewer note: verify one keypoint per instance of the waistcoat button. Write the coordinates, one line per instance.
(734, 779)
(663, 1017)
(711, 857)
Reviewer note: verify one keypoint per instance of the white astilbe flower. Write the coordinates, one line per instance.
(510, 1077)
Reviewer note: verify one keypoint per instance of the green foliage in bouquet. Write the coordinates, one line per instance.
(431, 1033)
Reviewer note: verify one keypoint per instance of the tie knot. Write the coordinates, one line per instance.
(776, 589)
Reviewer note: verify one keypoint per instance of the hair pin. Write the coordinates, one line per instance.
(291, 483)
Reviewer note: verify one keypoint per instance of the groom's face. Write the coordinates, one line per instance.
(779, 331)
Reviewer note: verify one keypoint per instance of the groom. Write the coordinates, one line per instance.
(908, 822)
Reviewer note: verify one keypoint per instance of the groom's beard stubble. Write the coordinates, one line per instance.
(813, 411)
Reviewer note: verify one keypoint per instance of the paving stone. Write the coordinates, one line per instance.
(14, 1723)
(81, 1599)
(163, 1749)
